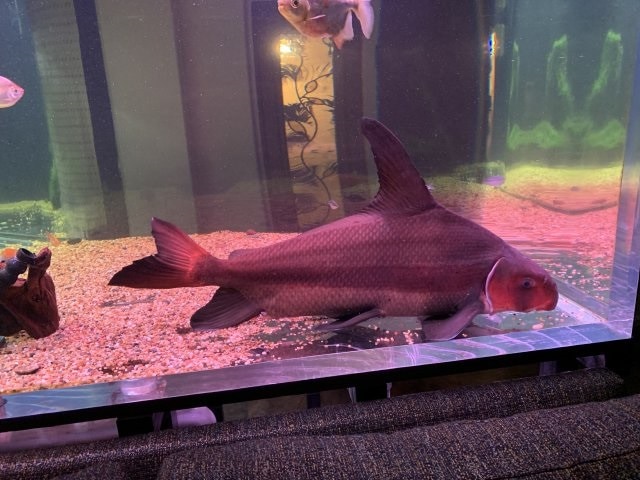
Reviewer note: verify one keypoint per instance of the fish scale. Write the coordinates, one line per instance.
(406, 261)
(403, 255)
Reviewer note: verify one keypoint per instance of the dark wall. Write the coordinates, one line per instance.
(430, 79)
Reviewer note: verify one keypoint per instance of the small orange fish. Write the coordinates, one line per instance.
(328, 18)
(10, 93)
(54, 241)
(7, 253)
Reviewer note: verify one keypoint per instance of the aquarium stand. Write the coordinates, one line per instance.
(368, 370)
(411, 436)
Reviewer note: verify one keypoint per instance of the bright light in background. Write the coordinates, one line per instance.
(285, 47)
(289, 45)
(491, 44)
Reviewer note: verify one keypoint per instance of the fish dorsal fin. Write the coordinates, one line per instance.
(402, 189)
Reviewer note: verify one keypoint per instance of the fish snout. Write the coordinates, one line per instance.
(16, 92)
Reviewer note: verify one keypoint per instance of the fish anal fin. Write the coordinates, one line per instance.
(348, 321)
(477, 331)
(227, 308)
(436, 330)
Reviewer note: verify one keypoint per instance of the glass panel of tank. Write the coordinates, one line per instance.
(222, 118)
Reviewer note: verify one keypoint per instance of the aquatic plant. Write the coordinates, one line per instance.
(543, 135)
(569, 125)
(610, 67)
(295, 116)
(303, 126)
(289, 71)
(610, 136)
(558, 88)
(577, 126)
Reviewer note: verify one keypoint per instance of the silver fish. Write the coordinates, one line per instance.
(328, 18)
(403, 255)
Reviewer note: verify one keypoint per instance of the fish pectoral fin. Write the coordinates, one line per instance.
(317, 17)
(346, 33)
(227, 308)
(346, 322)
(436, 330)
(477, 331)
(239, 252)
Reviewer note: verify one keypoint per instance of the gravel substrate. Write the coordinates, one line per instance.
(110, 333)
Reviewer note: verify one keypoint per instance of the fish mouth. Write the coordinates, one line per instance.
(550, 305)
(551, 297)
(553, 290)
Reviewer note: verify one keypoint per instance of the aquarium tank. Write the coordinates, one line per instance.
(241, 125)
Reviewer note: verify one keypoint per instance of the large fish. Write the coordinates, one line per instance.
(403, 255)
(328, 18)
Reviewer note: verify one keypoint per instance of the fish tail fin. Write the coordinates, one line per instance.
(178, 263)
(364, 12)
(346, 33)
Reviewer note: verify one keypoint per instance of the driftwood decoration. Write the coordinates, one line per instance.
(29, 304)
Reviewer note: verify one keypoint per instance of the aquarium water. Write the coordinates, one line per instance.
(231, 122)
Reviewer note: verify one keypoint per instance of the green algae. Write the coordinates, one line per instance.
(574, 125)
(610, 68)
(609, 137)
(558, 74)
(543, 135)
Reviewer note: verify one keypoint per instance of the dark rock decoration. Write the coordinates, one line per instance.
(29, 304)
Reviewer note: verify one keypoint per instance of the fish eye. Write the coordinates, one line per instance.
(295, 3)
(528, 283)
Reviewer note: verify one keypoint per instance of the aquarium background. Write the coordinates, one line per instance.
(221, 118)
